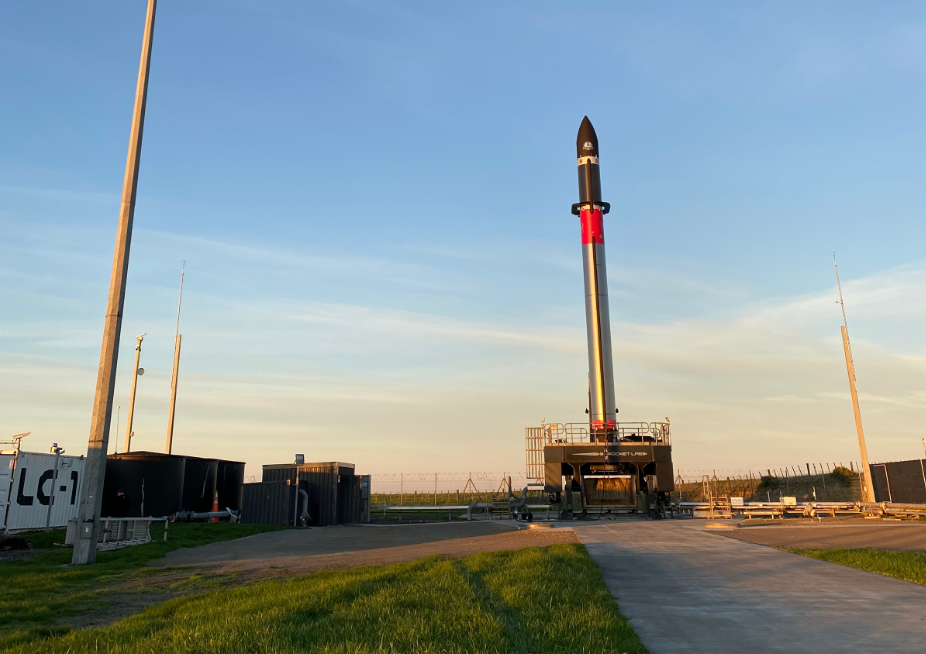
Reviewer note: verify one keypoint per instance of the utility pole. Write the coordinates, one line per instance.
(868, 493)
(91, 497)
(129, 432)
(173, 379)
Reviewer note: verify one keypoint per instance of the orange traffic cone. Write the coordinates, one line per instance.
(215, 505)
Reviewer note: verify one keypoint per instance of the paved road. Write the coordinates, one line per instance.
(330, 540)
(687, 590)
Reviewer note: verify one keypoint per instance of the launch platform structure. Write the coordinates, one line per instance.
(631, 471)
(612, 465)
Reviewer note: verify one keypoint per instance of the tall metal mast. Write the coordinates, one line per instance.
(129, 430)
(173, 380)
(868, 494)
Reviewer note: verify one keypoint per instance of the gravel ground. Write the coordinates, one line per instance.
(17, 555)
(300, 552)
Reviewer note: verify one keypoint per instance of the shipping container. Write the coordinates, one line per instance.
(230, 484)
(7, 465)
(336, 494)
(199, 489)
(158, 484)
(903, 482)
(42, 491)
(152, 485)
(269, 503)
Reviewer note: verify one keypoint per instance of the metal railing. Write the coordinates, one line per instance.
(552, 433)
(116, 533)
(578, 432)
(722, 507)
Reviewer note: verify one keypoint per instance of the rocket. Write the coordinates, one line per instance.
(590, 210)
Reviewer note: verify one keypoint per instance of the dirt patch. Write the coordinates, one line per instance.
(123, 605)
(250, 569)
(17, 555)
(879, 535)
(127, 597)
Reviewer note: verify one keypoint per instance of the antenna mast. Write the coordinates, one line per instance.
(173, 381)
(180, 301)
(842, 304)
(868, 494)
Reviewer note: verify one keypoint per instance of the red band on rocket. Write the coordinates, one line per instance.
(592, 226)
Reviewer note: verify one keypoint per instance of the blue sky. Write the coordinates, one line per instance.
(373, 202)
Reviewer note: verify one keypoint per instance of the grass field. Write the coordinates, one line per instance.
(909, 566)
(533, 601)
(39, 594)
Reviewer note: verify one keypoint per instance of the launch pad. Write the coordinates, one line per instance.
(630, 470)
(614, 466)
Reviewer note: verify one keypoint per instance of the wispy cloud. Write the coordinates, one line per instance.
(744, 381)
(95, 197)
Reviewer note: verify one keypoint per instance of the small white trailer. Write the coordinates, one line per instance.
(38, 490)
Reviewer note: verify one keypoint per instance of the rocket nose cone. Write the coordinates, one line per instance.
(587, 140)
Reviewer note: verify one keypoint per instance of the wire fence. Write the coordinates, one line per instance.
(799, 470)
(445, 482)
(807, 481)
(442, 488)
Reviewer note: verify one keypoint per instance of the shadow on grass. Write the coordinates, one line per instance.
(41, 594)
(533, 600)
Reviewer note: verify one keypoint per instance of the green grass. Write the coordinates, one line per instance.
(36, 594)
(909, 566)
(534, 600)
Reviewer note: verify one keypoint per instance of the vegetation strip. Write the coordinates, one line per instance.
(533, 600)
(42, 595)
(909, 566)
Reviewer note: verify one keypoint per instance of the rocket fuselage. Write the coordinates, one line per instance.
(591, 209)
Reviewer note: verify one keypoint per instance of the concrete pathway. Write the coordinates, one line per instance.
(687, 590)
